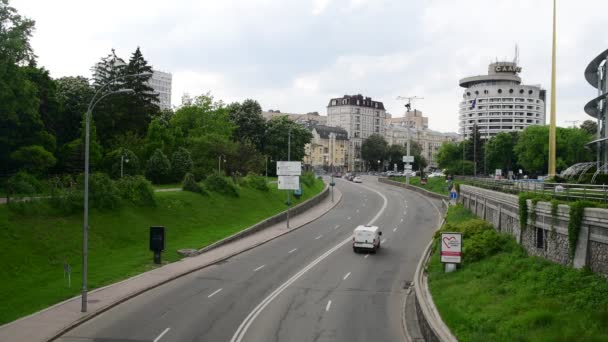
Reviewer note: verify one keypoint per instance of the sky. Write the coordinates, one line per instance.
(294, 55)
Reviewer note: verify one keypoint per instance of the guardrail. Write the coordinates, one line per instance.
(560, 191)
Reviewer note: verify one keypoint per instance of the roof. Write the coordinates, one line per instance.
(367, 228)
(467, 82)
(325, 131)
(351, 100)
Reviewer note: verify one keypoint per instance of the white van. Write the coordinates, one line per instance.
(366, 238)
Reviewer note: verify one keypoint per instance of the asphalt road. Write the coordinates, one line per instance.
(308, 285)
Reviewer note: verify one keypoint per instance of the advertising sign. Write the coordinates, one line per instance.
(451, 248)
(289, 182)
(408, 159)
(289, 168)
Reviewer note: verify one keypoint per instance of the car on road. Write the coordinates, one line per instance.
(366, 238)
(338, 174)
(357, 179)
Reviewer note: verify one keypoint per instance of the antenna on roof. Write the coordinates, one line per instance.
(516, 58)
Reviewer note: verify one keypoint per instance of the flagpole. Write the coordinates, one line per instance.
(552, 148)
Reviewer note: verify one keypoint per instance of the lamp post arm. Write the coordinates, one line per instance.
(91, 105)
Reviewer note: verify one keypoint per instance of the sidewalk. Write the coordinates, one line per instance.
(52, 322)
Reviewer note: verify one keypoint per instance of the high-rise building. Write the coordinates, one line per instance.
(360, 117)
(499, 102)
(161, 83)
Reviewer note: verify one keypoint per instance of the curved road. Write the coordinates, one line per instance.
(308, 285)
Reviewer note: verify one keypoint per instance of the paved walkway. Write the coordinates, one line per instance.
(51, 322)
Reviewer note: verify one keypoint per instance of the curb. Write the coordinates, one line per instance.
(198, 268)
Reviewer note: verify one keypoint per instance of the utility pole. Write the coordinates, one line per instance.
(408, 106)
(552, 134)
(288, 159)
(475, 150)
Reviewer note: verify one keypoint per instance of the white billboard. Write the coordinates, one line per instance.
(289, 168)
(289, 182)
(451, 248)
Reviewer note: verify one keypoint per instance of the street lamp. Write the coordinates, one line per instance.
(123, 158)
(219, 165)
(378, 165)
(85, 228)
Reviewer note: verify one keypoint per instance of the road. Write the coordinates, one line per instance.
(307, 285)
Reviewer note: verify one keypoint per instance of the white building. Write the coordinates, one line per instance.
(161, 83)
(360, 117)
(499, 102)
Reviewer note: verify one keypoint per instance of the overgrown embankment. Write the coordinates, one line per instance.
(501, 294)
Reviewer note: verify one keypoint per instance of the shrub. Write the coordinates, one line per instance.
(158, 169)
(23, 184)
(137, 190)
(103, 192)
(181, 163)
(190, 184)
(256, 182)
(34, 158)
(130, 162)
(486, 243)
(221, 185)
(308, 179)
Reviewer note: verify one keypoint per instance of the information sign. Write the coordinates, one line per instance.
(289, 168)
(408, 159)
(289, 182)
(451, 248)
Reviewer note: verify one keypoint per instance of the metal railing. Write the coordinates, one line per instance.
(559, 191)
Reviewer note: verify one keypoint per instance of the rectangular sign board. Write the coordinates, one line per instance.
(408, 159)
(289, 182)
(289, 168)
(407, 167)
(451, 248)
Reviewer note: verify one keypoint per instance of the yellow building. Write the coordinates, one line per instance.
(328, 148)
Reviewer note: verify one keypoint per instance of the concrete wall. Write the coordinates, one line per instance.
(547, 236)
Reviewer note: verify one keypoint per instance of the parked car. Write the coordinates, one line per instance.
(357, 179)
(338, 174)
(366, 238)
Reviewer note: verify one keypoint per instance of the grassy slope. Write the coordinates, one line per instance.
(435, 184)
(33, 246)
(513, 297)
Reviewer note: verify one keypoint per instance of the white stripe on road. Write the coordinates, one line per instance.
(318, 237)
(337, 226)
(259, 268)
(348, 218)
(357, 210)
(293, 250)
(401, 220)
(328, 305)
(214, 293)
(161, 335)
(395, 229)
(240, 332)
(366, 255)
(346, 276)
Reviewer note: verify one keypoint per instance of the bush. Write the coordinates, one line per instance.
(23, 184)
(190, 184)
(181, 163)
(256, 182)
(308, 179)
(130, 162)
(221, 185)
(103, 193)
(137, 190)
(158, 169)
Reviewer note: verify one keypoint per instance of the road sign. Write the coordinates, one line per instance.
(289, 168)
(395, 167)
(289, 182)
(451, 248)
(498, 172)
(453, 194)
(408, 159)
(407, 167)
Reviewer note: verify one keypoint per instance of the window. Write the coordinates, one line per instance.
(510, 91)
(530, 92)
(540, 238)
(476, 92)
(357, 127)
(485, 92)
(500, 91)
(521, 91)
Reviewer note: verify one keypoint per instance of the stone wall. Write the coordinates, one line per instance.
(546, 236)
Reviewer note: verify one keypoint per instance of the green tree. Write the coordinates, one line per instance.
(71, 155)
(181, 163)
(73, 96)
(374, 148)
(124, 156)
(203, 116)
(448, 155)
(158, 168)
(249, 122)
(590, 127)
(275, 142)
(474, 149)
(395, 154)
(500, 153)
(34, 159)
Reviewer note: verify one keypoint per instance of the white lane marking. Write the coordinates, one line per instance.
(337, 226)
(293, 250)
(401, 220)
(214, 293)
(363, 205)
(161, 335)
(328, 305)
(357, 210)
(239, 334)
(366, 255)
(348, 218)
(346, 276)
(259, 268)
(318, 237)
(383, 241)
(395, 229)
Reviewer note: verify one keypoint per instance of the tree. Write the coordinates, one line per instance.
(158, 168)
(395, 155)
(474, 149)
(35, 158)
(71, 155)
(499, 151)
(73, 96)
(249, 122)
(374, 148)
(448, 155)
(181, 163)
(590, 127)
(276, 137)
(124, 156)
(142, 105)
(202, 117)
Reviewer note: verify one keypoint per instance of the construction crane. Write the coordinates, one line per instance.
(409, 99)
(573, 122)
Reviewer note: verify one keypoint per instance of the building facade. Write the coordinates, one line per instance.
(308, 119)
(360, 117)
(328, 148)
(596, 75)
(161, 83)
(413, 119)
(499, 102)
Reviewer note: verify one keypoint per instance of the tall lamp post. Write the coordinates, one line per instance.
(219, 164)
(123, 159)
(85, 229)
(552, 149)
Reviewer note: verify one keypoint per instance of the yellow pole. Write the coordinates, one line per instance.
(552, 119)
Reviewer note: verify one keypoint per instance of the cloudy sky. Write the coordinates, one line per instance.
(294, 55)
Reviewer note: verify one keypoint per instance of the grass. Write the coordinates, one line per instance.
(510, 296)
(435, 184)
(167, 186)
(36, 242)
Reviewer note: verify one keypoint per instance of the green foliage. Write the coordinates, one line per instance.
(221, 185)
(73, 96)
(34, 158)
(158, 169)
(554, 209)
(190, 184)
(499, 151)
(374, 148)
(181, 163)
(308, 179)
(126, 157)
(137, 190)
(23, 184)
(248, 121)
(276, 139)
(589, 126)
(577, 210)
(103, 193)
(523, 210)
(256, 182)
